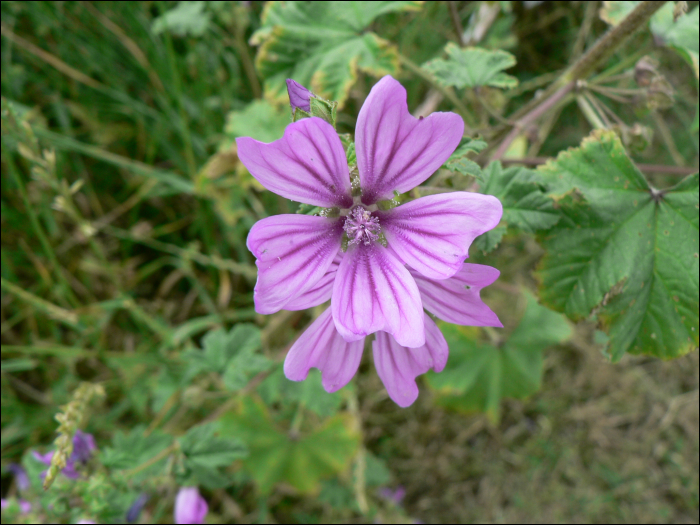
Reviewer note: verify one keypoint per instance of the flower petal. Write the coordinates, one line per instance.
(190, 507)
(373, 291)
(322, 347)
(293, 252)
(398, 366)
(456, 300)
(396, 151)
(320, 292)
(307, 164)
(432, 234)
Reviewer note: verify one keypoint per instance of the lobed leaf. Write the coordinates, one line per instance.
(623, 252)
(478, 376)
(472, 67)
(525, 205)
(276, 456)
(323, 46)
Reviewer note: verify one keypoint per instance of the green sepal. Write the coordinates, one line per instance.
(325, 109)
(298, 114)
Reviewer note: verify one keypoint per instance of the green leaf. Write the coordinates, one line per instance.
(622, 251)
(187, 18)
(472, 67)
(242, 367)
(310, 392)
(323, 45)
(458, 161)
(277, 456)
(135, 448)
(259, 120)
(201, 445)
(478, 376)
(205, 454)
(525, 205)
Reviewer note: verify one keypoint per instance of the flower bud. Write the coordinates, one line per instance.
(299, 96)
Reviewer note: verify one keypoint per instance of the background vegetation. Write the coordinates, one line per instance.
(124, 218)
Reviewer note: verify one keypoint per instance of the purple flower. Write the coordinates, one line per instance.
(83, 447)
(299, 96)
(455, 300)
(394, 496)
(20, 476)
(301, 261)
(190, 507)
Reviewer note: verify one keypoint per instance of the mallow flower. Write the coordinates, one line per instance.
(365, 256)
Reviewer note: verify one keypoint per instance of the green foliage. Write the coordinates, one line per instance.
(459, 161)
(525, 205)
(259, 119)
(323, 46)
(309, 393)
(206, 454)
(233, 354)
(473, 67)
(623, 252)
(478, 376)
(135, 448)
(299, 460)
(186, 19)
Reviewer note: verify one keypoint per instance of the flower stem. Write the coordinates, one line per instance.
(581, 69)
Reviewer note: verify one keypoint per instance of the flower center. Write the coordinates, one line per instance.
(361, 226)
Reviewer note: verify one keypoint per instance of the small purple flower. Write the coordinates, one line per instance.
(83, 447)
(300, 258)
(20, 476)
(190, 507)
(393, 496)
(299, 96)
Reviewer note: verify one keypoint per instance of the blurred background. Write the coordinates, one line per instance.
(124, 217)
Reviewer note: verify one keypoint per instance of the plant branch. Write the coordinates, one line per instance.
(456, 22)
(580, 69)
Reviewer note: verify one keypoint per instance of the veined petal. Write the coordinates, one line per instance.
(307, 164)
(373, 291)
(318, 293)
(396, 151)
(322, 347)
(433, 234)
(293, 252)
(456, 300)
(398, 366)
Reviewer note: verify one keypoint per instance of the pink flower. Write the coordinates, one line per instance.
(455, 300)
(372, 290)
(190, 507)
